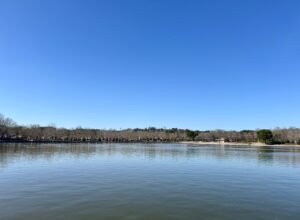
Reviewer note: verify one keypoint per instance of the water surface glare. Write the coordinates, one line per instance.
(148, 181)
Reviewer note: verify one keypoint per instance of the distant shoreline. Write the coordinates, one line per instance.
(86, 142)
(252, 144)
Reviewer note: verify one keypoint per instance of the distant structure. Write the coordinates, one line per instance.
(221, 140)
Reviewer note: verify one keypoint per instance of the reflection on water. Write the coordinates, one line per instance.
(148, 181)
(267, 154)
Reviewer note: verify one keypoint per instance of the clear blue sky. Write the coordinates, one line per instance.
(137, 63)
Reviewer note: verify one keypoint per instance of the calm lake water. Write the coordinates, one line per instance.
(148, 181)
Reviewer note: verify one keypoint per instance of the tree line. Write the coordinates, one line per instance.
(12, 132)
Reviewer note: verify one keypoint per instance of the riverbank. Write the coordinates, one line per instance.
(253, 144)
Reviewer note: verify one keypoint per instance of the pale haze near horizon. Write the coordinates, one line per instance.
(126, 64)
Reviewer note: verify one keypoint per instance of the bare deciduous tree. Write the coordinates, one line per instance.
(10, 131)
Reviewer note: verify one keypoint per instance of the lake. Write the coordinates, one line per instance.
(148, 181)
